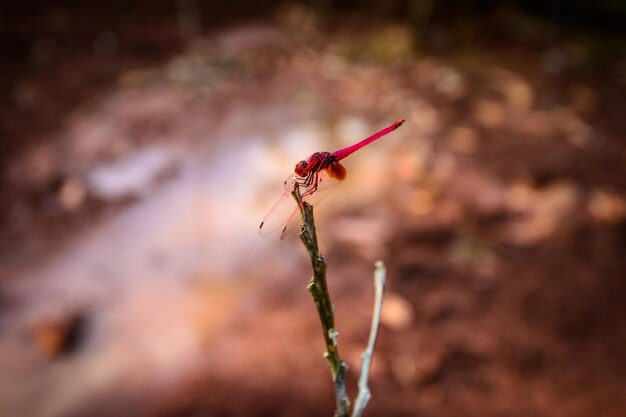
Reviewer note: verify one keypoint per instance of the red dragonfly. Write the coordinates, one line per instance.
(315, 177)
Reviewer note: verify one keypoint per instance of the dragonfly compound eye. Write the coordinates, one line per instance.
(301, 168)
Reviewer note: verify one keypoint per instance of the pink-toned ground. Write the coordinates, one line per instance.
(133, 280)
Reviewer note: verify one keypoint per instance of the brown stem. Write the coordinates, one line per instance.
(318, 289)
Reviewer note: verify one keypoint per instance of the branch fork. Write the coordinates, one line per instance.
(318, 289)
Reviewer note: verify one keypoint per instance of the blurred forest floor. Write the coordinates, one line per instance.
(503, 218)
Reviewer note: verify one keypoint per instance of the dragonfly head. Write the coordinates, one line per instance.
(315, 162)
(302, 168)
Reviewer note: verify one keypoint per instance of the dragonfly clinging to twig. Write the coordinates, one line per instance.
(315, 177)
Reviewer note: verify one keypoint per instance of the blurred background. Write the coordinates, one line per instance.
(141, 144)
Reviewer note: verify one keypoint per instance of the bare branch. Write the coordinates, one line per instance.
(364, 394)
(319, 291)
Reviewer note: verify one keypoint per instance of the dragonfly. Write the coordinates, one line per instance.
(314, 177)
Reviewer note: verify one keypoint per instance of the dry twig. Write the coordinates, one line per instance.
(318, 289)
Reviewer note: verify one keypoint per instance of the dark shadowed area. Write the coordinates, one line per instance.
(141, 144)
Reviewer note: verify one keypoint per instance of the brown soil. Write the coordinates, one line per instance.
(500, 212)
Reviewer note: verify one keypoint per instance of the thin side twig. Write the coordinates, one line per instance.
(318, 289)
(364, 394)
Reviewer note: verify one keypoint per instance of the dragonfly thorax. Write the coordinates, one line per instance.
(313, 164)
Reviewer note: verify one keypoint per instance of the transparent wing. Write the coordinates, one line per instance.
(312, 195)
(285, 214)
(281, 212)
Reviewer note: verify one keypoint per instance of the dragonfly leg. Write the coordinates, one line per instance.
(314, 180)
(303, 181)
